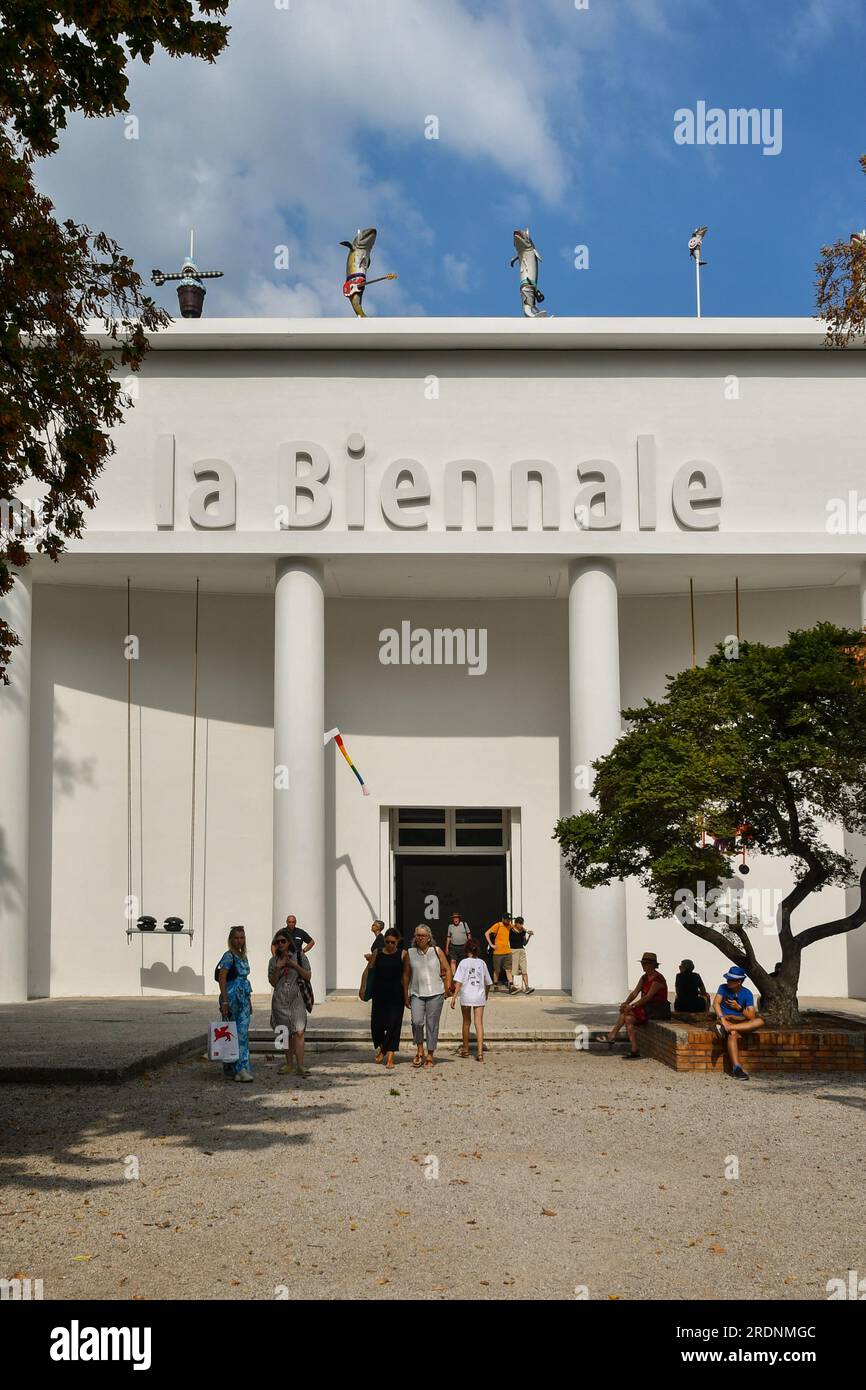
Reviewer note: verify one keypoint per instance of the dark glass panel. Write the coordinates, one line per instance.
(421, 836)
(479, 837)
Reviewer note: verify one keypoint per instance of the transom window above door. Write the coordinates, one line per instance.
(450, 828)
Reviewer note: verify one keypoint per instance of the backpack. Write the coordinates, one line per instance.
(231, 973)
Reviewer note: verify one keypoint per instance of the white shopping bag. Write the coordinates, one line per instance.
(222, 1041)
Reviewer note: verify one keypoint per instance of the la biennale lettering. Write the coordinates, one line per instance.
(586, 496)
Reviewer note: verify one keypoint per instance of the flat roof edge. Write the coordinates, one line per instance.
(484, 334)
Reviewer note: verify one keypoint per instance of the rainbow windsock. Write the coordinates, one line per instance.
(338, 739)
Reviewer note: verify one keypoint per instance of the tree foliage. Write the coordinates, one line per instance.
(769, 747)
(60, 393)
(58, 56)
(840, 291)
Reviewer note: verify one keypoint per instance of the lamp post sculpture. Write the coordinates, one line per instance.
(190, 290)
(696, 241)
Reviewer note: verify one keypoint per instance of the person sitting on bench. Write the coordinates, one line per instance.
(734, 1007)
(691, 993)
(648, 999)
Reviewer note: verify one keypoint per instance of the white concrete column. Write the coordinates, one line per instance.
(598, 922)
(15, 608)
(863, 595)
(299, 724)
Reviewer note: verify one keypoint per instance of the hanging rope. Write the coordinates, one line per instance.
(141, 806)
(128, 751)
(692, 611)
(194, 741)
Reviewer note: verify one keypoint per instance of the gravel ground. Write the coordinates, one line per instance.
(530, 1177)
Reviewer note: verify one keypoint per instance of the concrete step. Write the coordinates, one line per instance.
(350, 1039)
(312, 1044)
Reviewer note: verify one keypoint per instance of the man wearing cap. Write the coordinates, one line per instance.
(734, 1007)
(648, 999)
(456, 940)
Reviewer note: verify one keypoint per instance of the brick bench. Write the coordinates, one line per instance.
(690, 1043)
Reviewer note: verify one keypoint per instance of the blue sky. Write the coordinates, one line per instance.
(312, 124)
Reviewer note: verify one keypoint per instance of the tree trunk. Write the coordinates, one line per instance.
(779, 1007)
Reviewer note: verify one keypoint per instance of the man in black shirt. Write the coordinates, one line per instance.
(519, 937)
(303, 941)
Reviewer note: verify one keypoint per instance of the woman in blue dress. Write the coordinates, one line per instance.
(233, 974)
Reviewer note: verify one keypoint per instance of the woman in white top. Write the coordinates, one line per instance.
(426, 981)
(471, 985)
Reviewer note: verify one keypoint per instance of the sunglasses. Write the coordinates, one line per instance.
(281, 941)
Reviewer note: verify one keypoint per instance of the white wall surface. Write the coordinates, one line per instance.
(795, 416)
(80, 812)
(655, 636)
(437, 736)
(420, 735)
(784, 430)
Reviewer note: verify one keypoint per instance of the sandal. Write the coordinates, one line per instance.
(428, 1061)
(417, 1062)
(602, 1037)
(464, 1052)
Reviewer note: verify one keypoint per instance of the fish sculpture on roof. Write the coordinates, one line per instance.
(528, 258)
(357, 264)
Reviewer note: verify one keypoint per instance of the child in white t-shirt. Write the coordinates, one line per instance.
(471, 985)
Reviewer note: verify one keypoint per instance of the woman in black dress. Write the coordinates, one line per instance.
(386, 986)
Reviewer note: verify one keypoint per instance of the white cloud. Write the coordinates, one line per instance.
(456, 271)
(813, 24)
(273, 144)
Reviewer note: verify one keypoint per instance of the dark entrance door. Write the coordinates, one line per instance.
(430, 887)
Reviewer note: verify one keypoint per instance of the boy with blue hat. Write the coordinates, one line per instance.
(734, 1007)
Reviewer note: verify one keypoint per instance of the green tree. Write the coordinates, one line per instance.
(768, 745)
(840, 290)
(58, 56)
(60, 393)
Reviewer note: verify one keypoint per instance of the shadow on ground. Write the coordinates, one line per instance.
(847, 1090)
(218, 1115)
